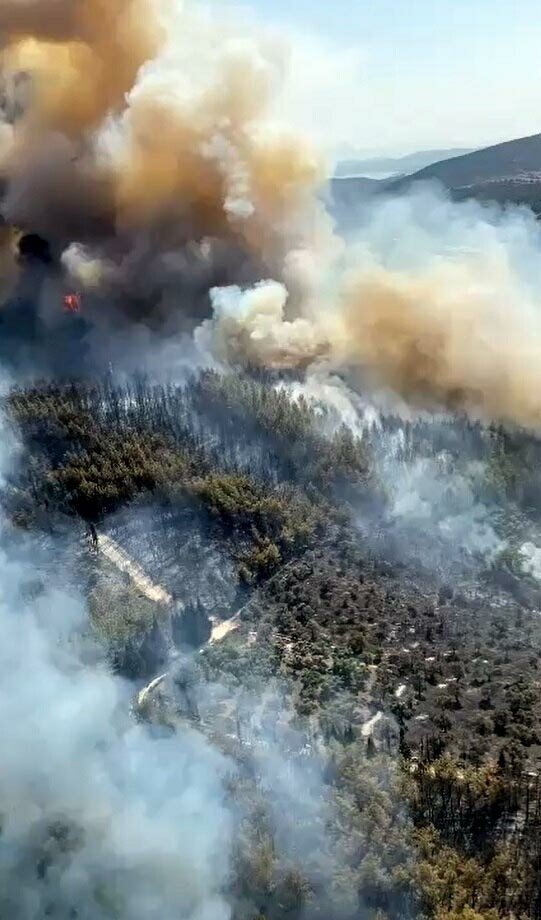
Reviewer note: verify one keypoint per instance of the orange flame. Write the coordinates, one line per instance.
(72, 303)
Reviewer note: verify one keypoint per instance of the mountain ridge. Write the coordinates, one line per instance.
(506, 173)
(515, 160)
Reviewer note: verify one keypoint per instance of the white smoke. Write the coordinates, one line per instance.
(250, 326)
(436, 302)
(97, 815)
(151, 829)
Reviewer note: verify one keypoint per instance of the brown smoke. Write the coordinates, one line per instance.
(8, 259)
(206, 158)
(79, 59)
(457, 336)
(83, 55)
(143, 146)
(454, 337)
(180, 150)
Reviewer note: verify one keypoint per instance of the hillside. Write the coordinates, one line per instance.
(270, 499)
(505, 172)
(377, 704)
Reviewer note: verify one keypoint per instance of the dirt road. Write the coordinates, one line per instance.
(119, 558)
(115, 554)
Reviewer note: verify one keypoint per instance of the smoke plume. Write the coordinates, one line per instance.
(453, 336)
(140, 139)
(83, 57)
(144, 146)
(445, 315)
(97, 816)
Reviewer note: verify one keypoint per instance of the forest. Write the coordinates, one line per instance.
(414, 686)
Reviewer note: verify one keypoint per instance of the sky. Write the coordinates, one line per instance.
(394, 76)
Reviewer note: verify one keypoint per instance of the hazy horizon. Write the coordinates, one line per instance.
(380, 78)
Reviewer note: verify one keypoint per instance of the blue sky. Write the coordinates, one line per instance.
(397, 75)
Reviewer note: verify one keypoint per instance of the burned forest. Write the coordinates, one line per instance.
(270, 499)
(305, 623)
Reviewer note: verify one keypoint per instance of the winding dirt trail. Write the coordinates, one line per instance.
(115, 554)
(124, 563)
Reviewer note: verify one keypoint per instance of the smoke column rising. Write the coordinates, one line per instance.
(141, 140)
(146, 147)
(443, 311)
(144, 142)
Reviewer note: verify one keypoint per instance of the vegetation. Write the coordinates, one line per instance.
(444, 792)
(417, 692)
(92, 450)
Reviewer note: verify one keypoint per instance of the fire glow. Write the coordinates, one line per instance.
(72, 303)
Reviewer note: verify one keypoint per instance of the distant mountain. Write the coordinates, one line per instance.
(505, 173)
(389, 166)
(508, 172)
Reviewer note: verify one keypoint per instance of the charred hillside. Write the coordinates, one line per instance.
(506, 174)
(410, 666)
(516, 160)
(270, 504)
